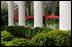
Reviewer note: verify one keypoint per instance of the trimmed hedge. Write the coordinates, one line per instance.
(52, 38)
(44, 29)
(7, 39)
(18, 42)
(45, 38)
(28, 33)
(16, 30)
(24, 31)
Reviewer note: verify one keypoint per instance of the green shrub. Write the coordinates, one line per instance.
(4, 15)
(18, 42)
(52, 38)
(27, 33)
(30, 33)
(45, 38)
(3, 43)
(6, 36)
(43, 29)
(24, 31)
(20, 30)
(2, 28)
(16, 30)
(59, 37)
(35, 30)
(8, 40)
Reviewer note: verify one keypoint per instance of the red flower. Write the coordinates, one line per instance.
(16, 17)
(30, 17)
(46, 15)
(52, 16)
(26, 17)
(57, 17)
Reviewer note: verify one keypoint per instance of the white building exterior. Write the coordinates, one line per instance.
(64, 13)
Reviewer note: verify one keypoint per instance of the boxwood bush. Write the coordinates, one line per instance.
(43, 29)
(28, 33)
(18, 42)
(52, 38)
(16, 30)
(5, 37)
(45, 38)
(20, 30)
(25, 31)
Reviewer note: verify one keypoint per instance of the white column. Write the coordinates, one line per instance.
(22, 13)
(38, 19)
(10, 13)
(65, 15)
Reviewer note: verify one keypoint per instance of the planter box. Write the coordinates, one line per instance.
(50, 26)
(30, 24)
(53, 26)
(57, 26)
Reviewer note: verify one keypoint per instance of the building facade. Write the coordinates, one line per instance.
(64, 14)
